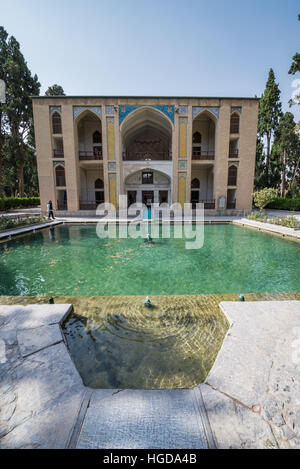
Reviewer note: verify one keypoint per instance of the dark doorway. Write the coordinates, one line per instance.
(163, 197)
(131, 197)
(99, 197)
(148, 198)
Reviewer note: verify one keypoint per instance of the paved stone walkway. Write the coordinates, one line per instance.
(251, 398)
(283, 230)
(27, 229)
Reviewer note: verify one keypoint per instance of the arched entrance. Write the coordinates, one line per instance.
(148, 186)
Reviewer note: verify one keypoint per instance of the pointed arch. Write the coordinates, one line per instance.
(99, 184)
(235, 123)
(232, 175)
(60, 176)
(195, 183)
(56, 123)
(197, 138)
(97, 137)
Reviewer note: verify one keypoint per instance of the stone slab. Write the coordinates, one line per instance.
(258, 369)
(33, 340)
(162, 419)
(41, 392)
(234, 426)
(32, 316)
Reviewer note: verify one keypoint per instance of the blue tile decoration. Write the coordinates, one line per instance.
(198, 109)
(77, 110)
(58, 163)
(111, 166)
(182, 164)
(110, 110)
(125, 110)
(54, 108)
(182, 110)
(236, 109)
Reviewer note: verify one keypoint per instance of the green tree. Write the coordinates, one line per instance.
(269, 114)
(18, 118)
(295, 67)
(264, 197)
(55, 90)
(260, 166)
(3, 119)
(286, 146)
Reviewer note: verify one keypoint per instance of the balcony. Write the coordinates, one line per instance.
(208, 204)
(144, 156)
(233, 153)
(91, 155)
(85, 205)
(58, 154)
(199, 154)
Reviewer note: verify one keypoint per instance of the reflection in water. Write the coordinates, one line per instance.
(125, 345)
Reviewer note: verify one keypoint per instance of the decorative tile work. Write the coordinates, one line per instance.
(112, 189)
(58, 163)
(181, 188)
(198, 109)
(182, 165)
(236, 109)
(183, 121)
(110, 137)
(236, 163)
(182, 110)
(110, 110)
(112, 167)
(77, 110)
(54, 108)
(125, 110)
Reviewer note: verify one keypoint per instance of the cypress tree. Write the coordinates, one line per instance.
(270, 111)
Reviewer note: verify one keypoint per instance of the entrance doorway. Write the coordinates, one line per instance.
(131, 197)
(163, 197)
(148, 198)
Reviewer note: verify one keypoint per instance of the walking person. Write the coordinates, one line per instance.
(50, 210)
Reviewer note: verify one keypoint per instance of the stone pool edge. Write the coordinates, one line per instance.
(240, 412)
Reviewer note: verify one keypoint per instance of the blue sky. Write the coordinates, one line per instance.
(157, 47)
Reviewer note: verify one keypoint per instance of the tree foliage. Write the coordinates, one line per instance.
(264, 197)
(16, 120)
(55, 90)
(270, 111)
(295, 67)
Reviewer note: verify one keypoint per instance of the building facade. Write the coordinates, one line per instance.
(94, 149)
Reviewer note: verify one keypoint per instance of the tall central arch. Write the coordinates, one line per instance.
(146, 135)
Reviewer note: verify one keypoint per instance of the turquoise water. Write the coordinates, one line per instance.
(72, 260)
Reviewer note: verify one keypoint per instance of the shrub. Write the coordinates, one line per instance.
(264, 197)
(285, 204)
(18, 202)
(9, 222)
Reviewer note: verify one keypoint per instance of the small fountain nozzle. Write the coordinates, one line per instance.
(148, 302)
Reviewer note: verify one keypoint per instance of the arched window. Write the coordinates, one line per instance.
(197, 138)
(235, 123)
(56, 123)
(195, 183)
(60, 176)
(99, 184)
(99, 191)
(97, 137)
(232, 175)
